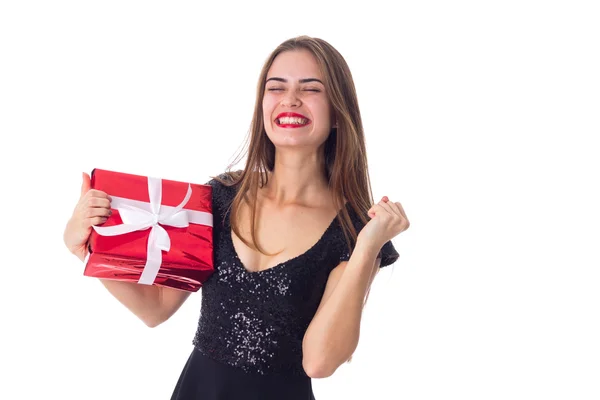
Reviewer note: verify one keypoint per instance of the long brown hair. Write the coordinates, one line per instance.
(346, 167)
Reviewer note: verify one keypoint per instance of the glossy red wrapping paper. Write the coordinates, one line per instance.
(189, 261)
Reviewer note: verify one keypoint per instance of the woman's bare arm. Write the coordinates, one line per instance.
(152, 304)
(333, 334)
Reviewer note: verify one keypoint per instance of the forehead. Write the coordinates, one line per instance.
(295, 64)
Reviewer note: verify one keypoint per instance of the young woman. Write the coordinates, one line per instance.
(297, 240)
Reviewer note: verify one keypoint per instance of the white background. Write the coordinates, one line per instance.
(480, 118)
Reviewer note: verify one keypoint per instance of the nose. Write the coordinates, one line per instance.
(290, 99)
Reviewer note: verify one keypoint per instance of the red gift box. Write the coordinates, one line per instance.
(160, 232)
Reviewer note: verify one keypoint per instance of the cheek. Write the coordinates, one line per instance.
(323, 109)
(267, 106)
(267, 111)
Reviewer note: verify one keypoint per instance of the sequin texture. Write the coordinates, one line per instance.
(256, 320)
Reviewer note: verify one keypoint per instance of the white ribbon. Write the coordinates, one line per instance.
(138, 215)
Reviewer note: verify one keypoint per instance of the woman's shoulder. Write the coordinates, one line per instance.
(225, 183)
(224, 187)
(227, 178)
(223, 191)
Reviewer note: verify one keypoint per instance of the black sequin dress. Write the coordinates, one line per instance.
(248, 344)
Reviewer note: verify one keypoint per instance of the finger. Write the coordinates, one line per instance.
(375, 209)
(383, 200)
(93, 198)
(85, 184)
(401, 209)
(98, 202)
(394, 208)
(97, 220)
(98, 193)
(387, 207)
(93, 212)
(372, 209)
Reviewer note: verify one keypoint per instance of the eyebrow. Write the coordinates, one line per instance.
(306, 80)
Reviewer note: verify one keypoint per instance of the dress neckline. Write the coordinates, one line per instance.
(283, 263)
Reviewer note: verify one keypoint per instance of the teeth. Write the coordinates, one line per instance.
(293, 120)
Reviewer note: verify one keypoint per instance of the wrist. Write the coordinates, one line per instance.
(370, 249)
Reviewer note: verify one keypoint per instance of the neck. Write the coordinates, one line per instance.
(297, 179)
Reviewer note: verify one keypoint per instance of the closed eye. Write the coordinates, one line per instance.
(280, 89)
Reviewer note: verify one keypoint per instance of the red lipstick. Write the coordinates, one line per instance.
(291, 115)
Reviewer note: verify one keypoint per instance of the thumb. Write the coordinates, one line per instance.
(371, 211)
(85, 184)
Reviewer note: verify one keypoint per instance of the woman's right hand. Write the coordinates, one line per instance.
(93, 208)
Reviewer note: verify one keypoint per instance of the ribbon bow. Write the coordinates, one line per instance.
(136, 218)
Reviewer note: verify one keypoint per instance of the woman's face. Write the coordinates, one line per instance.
(296, 109)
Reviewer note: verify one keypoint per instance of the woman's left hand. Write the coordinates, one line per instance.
(388, 219)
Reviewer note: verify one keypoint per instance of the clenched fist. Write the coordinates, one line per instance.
(388, 219)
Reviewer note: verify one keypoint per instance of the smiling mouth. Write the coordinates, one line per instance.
(294, 122)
